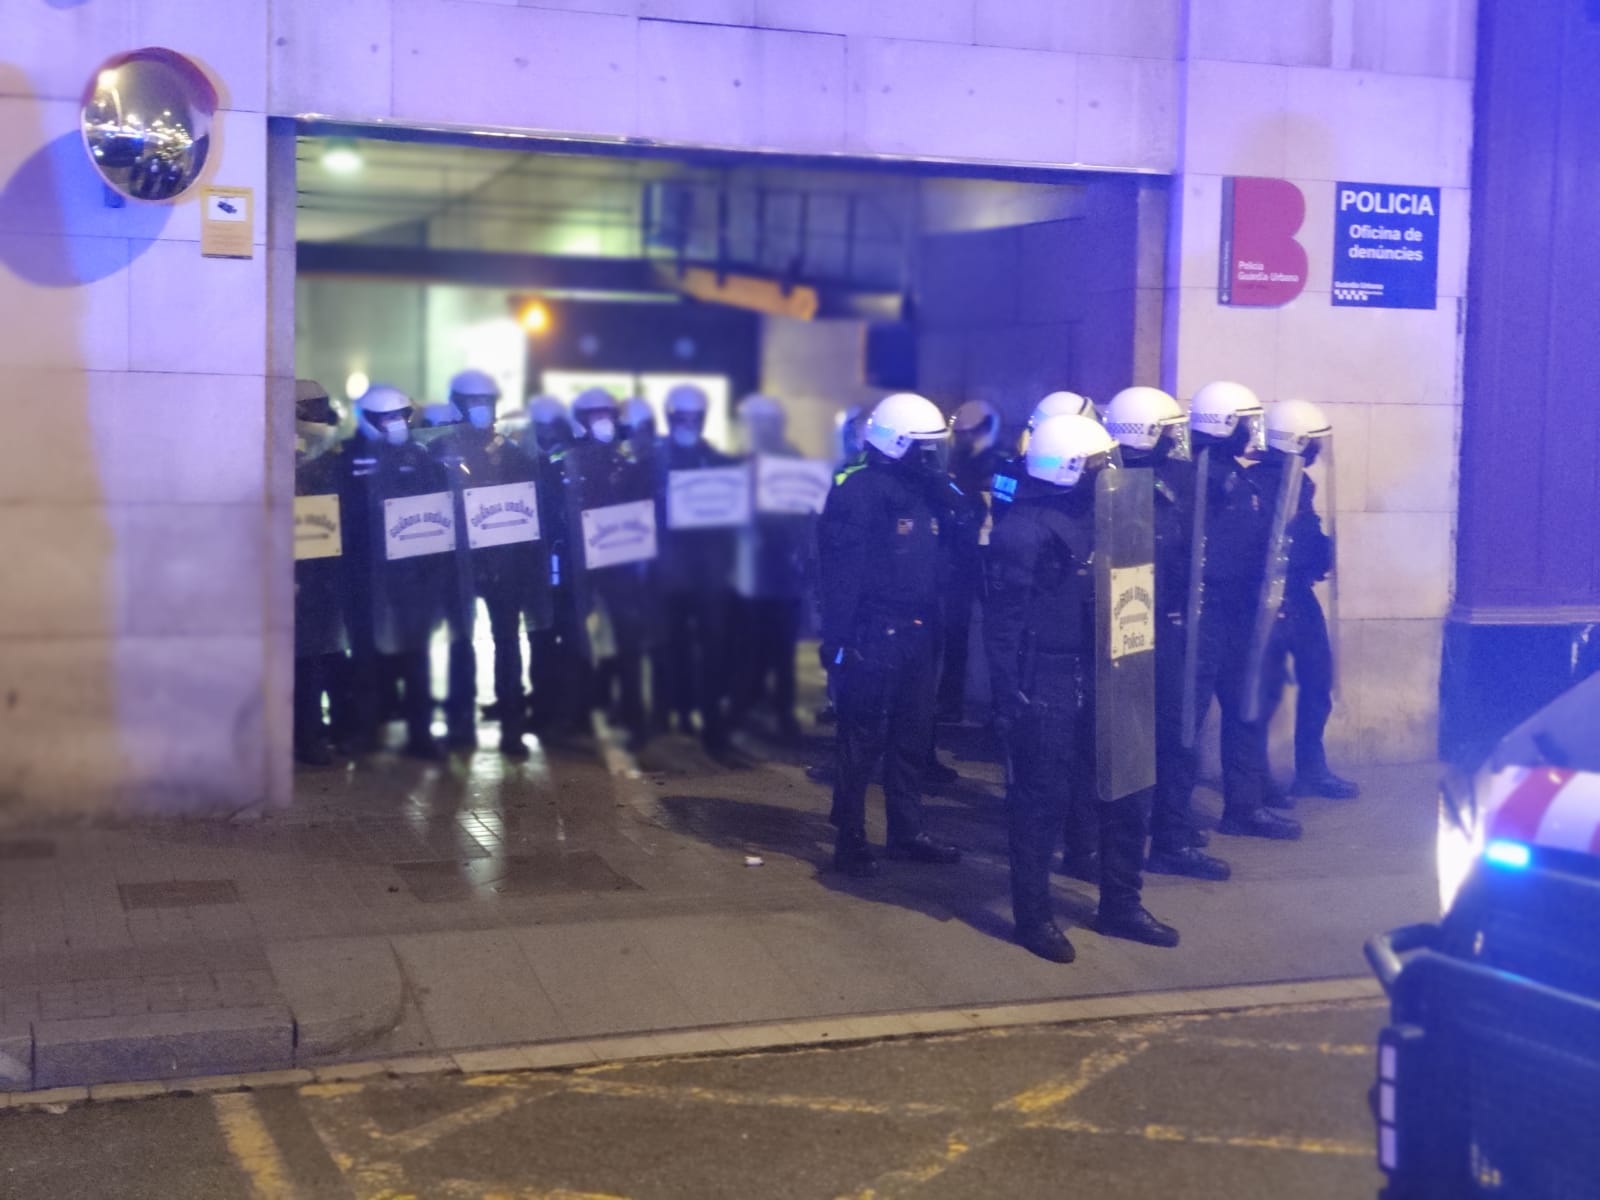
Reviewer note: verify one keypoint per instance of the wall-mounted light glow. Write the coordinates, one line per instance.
(535, 317)
(356, 385)
(341, 158)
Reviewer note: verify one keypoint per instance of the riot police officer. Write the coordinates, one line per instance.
(1009, 472)
(1153, 432)
(696, 579)
(320, 640)
(1227, 567)
(774, 567)
(878, 540)
(614, 602)
(974, 457)
(1040, 631)
(395, 596)
(555, 651)
(511, 578)
(1299, 429)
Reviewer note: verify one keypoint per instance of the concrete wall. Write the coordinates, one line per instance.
(136, 381)
(142, 630)
(1319, 92)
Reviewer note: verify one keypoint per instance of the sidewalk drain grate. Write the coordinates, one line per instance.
(538, 874)
(27, 850)
(178, 893)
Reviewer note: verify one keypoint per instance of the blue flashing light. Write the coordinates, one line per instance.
(1508, 854)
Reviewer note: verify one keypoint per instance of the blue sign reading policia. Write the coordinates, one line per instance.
(1385, 246)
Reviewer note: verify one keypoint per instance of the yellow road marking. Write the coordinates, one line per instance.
(426, 1134)
(252, 1147)
(1168, 1133)
(591, 1086)
(1038, 1099)
(1331, 1049)
(1056, 1092)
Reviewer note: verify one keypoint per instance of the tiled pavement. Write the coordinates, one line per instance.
(401, 909)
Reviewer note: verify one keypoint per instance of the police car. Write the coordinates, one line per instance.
(1489, 1071)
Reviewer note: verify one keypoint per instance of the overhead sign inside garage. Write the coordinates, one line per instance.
(1385, 246)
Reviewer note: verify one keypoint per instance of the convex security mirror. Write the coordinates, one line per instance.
(147, 123)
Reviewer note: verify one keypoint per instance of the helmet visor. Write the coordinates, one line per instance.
(1255, 442)
(931, 454)
(1174, 436)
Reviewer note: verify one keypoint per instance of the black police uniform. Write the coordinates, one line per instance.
(512, 581)
(1172, 826)
(1238, 528)
(879, 555)
(774, 573)
(320, 638)
(1301, 630)
(973, 475)
(695, 573)
(392, 607)
(557, 668)
(1039, 635)
(596, 475)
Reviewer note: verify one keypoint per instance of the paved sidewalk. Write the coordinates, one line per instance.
(401, 909)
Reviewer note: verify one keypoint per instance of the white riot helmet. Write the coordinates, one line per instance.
(686, 413)
(1219, 409)
(1138, 418)
(762, 421)
(1065, 448)
(383, 413)
(546, 410)
(550, 423)
(1293, 425)
(475, 393)
(637, 416)
(1058, 404)
(596, 411)
(900, 420)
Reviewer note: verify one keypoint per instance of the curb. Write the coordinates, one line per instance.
(334, 997)
(725, 1040)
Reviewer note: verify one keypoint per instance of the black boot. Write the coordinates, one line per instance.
(1273, 796)
(1326, 784)
(1188, 861)
(1047, 941)
(1261, 823)
(1136, 925)
(1085, 866)
(512, 745)
(924, 849)
(853, 856)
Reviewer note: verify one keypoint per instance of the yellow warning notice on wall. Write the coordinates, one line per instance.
(227, 222)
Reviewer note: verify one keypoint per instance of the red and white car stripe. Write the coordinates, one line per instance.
(1544, 806)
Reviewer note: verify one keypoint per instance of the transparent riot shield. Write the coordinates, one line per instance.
(1273, 581)
(1328, 510)
(1125, 637)
(1197, 576)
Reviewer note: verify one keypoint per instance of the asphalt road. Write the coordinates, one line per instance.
(1267, 1103)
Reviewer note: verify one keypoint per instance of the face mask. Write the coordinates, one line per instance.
(685, 435)
(481, 416)
(396, 433)
(604, 430)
